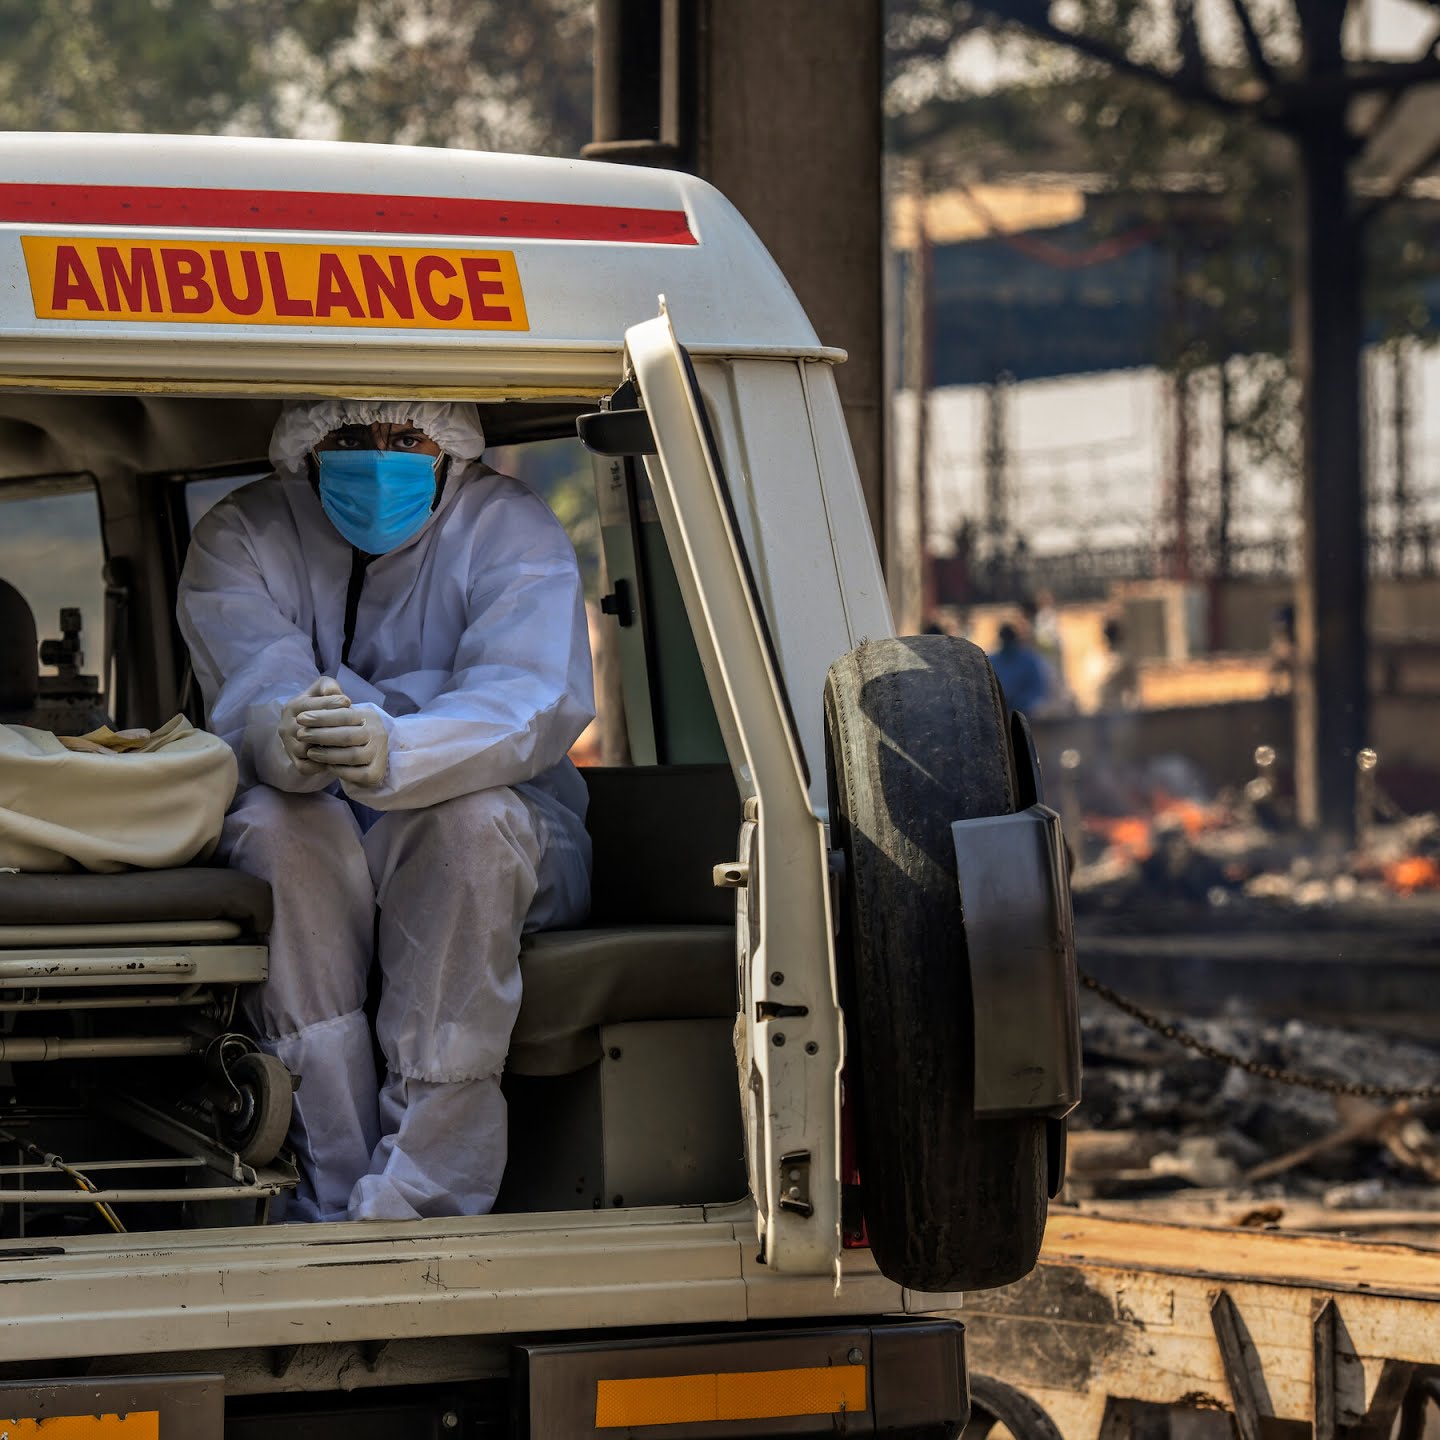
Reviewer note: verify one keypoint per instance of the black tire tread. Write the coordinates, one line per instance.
(918, 737)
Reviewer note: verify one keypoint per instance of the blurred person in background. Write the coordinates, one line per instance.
(1043, 620)
(1117, 682)
(1026, 680)
(1282, 650)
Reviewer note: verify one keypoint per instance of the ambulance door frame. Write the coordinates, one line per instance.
(796, 1083)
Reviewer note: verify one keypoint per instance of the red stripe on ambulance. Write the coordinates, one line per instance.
(148, 207)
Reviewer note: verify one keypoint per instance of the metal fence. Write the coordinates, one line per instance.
(1411, 553)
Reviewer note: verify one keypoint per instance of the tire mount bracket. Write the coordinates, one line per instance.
(1015, 899)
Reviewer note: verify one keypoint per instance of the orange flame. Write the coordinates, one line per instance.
(1130, 835)
(1191, 816)
(1413, 873)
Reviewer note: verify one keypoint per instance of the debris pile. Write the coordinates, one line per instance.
(1185, 894)
(1156, 831)
(1159, 1120)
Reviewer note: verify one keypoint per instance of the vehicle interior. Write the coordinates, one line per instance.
(130, 1099)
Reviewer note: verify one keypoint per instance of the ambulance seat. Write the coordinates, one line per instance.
(621, 1074)
(659, 943)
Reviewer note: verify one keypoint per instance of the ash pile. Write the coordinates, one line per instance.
(1211, 908)
(1159, 1122)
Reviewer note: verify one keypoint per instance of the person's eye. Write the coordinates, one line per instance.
(406, 442)
(347, 442)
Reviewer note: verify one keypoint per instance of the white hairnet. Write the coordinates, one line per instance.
(454, 427)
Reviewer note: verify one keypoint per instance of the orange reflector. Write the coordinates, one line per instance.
(739, 1395)
(137, 1425)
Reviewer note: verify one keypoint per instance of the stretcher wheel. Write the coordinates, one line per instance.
(917, 737)
(258, 1128)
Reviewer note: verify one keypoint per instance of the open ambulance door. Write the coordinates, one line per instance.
(789, 1034)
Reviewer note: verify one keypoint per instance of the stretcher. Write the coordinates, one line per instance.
(117, 998)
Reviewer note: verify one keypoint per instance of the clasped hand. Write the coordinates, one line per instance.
(321, 730)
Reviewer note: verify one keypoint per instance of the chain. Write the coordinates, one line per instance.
(1170, 1031)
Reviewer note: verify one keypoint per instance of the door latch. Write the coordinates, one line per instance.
(795, 1183)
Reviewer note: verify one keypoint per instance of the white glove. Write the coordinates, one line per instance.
(325, 694)
(350, 741)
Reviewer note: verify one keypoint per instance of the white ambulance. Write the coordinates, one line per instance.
(802, 1077)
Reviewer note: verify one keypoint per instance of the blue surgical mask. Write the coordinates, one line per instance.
(377, 499)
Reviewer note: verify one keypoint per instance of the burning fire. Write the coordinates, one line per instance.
(1193, 818)
(1132, 837)
(1413, 873)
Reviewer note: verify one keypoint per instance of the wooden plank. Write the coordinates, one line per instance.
(1317, 1262)
(1121, 1310)
(1240, 1210)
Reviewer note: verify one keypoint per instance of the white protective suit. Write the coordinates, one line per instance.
(470, 641)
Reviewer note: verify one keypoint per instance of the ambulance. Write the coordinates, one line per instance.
(800, 1080)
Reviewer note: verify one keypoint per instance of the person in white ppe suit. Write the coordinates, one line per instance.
(392, 638)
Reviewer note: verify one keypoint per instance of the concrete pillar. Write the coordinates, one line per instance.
(790, 130)
(1331, 682)
(778, 106)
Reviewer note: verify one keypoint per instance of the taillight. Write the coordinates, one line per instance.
(852, 1203)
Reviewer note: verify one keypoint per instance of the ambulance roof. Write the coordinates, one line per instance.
(237, 263)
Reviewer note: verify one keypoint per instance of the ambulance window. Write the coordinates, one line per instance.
(559, 472)
(202, 494)
(647, 638)
(53, 553)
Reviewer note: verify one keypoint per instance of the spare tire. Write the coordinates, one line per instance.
(917, 737)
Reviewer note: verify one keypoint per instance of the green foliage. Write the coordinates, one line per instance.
(479, 74)
(182, 66)
(483, 74)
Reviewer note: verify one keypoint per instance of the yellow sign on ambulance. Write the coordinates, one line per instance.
(733, 1395)
(136, 1425)
(243, 283)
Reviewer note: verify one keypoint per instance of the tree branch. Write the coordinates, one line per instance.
(1392, 101)
(1035, 18)
(1390, 76)
(1254, 49)
(1285, 103)
(1192, 56)
(1402, 183)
